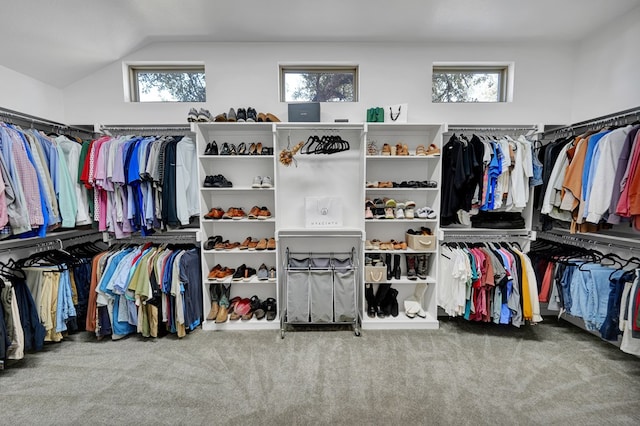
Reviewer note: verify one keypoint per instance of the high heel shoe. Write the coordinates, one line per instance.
(252, 149)
(242, 149)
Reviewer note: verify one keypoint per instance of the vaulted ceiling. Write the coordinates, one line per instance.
(61, 41)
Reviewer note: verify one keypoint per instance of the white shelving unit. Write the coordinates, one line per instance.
(240, 170)
(404, 169)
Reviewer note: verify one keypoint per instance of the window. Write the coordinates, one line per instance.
(469, 84)
(318, 83)
(162, 83)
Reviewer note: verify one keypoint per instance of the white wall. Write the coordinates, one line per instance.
(607, 77)
(25, 94)
(242, 75)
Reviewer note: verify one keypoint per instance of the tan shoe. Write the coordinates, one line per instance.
(213, 313)
(271, 244)
(222, 314)
(262, 245)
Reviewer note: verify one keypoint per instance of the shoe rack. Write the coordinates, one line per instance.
(241, 171)
(400, 177)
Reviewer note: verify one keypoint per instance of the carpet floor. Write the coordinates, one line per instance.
(462, 374)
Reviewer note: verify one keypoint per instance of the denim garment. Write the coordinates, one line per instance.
(610, 328)
(599, 296)
(565, 283)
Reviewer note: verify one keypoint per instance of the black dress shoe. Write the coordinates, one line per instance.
(207, 149)
(225, 149)
(209, 182)
(213, 149)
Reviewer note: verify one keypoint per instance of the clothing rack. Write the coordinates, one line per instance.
(22, 119)
(578, 240)
(618, 118)
(492, 128)
(480, 237)
(166, 238)
(63, 237)
(156, 129)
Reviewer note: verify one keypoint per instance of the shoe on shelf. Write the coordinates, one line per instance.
(239, 214)
(409, 213)
(272, 274)
(427, 213)
(399, 213)
(264, 213)
(241, 115)
(204, 116)
(238, 275)
(214, 213)
(256, 307)
(220, 181)
(420, 151)
(211, 242)
(225, 150)
(192, 116)
(388, 213)
(386, 149)
(368, 214)
(214, 271)
(257, 182)
(232, 149)
(209, 181)
(263, 273)
(266, 151)
(212, 149)
(271, 244)
(249, 273)
(389, 202)
(242, 149)
(270, 308)
(272, 118)
(432, 150)
(253, 213)
(427, 184)
(262, 244)
(231, 116)
(252, 117)
(266, 182)
(262, 117)
(220, 118)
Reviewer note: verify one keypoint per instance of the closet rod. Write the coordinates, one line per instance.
(480, 237)
(632, 112)
(28, 243)
(162, 238)
(584, 243)
(32, 119)
(324, 129)
(118, 128)
(492, 128)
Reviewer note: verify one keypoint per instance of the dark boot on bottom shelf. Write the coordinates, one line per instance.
(371, 300)
(411, 267)
(390, 303)
(387, 258)
(421, 266)
(381, 294)
(413, 304)
(223, 311)
(214, 291)
(396, 266)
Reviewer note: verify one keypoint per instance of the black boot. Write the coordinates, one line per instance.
(411, 266)
(381, 294)
(371, 300)
(396, 266)
(387, 258)
(390, 303)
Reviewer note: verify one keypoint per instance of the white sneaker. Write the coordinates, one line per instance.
(399, 213)
(266, 182)
(409, 213)
(427, 213)
(257, 182)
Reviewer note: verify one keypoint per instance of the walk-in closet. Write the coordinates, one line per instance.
(360, 212)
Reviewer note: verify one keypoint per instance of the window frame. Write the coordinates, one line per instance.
(504, 71)
(318, 68)
(134, 88)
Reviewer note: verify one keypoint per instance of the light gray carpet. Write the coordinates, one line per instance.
(462, 374)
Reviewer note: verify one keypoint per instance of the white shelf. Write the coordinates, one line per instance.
(245, 188)
(407, 251)
(235, 126)
(404, 280)
(236, 251)
(218, 221)
(400, 189)
(235, 157)
(403, 157)
(253, 280)
(400, 322)
(401, 220)
(252, 324)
